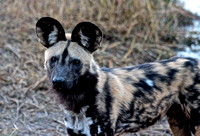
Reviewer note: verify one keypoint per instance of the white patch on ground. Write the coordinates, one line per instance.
(149, 82)
(192, 5)
(53, 36)
(84, 39)
(193, 51)
(78, 122)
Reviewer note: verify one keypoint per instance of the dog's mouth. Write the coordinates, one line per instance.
(67, 87)
(62, 88)
(59, 89)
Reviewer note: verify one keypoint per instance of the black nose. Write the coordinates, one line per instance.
(58, 82)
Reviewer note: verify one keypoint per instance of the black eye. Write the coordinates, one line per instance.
(76, 61)
(54, 59)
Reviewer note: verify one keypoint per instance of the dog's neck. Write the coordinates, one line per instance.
(74, 103)
(78, 122)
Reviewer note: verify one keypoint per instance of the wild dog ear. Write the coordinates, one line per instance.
(87, 35)
(49, 31)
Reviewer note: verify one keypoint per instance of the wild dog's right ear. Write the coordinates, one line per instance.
(49, 31)
(87, 35)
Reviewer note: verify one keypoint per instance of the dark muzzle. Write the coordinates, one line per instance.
(58, 83)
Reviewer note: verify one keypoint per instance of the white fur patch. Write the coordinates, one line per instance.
(53, 36)
(68, 35)
(84, 39)
(99, 129)
(78, 122)
(149, 82)
(93, 67)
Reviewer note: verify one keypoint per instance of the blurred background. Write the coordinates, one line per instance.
(135, 32)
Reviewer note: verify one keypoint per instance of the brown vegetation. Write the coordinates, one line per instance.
(134, 32)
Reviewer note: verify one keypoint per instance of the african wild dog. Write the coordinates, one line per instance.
(112, 101)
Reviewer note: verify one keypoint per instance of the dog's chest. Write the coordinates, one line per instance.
(79, 123)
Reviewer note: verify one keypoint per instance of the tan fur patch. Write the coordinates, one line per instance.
(74, 50)
(77, 51)
(57, 49)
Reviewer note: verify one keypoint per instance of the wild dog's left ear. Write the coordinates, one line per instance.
(49, 31)
(87, 35)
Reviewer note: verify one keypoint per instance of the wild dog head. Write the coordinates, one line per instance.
(68, 61)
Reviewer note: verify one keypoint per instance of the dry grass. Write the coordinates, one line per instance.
(133, 34)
